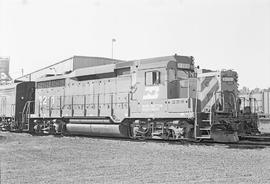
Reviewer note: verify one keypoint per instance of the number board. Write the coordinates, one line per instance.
(228, 79)
(183, 65)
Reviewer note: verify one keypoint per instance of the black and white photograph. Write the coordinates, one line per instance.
(134, 91)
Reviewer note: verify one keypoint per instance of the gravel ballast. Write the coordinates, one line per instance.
(49, 159)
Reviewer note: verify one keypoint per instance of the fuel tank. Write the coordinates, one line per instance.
(102, 130)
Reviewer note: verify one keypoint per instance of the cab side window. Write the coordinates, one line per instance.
(152, 78)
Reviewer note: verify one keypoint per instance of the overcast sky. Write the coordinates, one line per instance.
(220, 34)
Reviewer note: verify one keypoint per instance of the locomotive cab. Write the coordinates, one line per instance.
(164, 100)
(164, 88)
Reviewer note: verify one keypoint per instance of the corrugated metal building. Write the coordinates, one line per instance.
(67, 66)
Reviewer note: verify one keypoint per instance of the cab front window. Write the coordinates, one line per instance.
(182, 74)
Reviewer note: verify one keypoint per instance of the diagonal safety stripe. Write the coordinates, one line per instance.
(207, 88)
(207, 97)
(206, 82)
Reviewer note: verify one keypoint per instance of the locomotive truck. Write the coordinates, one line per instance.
(157, 98)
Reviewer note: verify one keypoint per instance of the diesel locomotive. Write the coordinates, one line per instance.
(157, 98)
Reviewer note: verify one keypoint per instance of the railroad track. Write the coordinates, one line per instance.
(247, 141)
(250, 141)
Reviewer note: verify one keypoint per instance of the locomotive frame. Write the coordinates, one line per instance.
(156, 98)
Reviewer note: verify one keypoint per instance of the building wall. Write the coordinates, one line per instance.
(83, 61)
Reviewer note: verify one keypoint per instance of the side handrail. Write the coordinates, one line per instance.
(196, 113)
(26, 112)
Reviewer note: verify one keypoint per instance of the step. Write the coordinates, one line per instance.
(205, 128)
(204, 137)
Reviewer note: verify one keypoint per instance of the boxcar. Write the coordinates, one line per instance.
(13, 98)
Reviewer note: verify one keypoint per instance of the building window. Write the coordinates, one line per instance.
(51, 83)
(152, 78)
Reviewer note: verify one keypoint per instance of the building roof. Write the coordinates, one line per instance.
(68, 65)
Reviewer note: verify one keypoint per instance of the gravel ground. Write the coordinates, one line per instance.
(49, 159)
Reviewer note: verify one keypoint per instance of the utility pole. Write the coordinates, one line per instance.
(113, 40)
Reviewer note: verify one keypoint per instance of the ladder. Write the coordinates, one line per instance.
(26, 115)
(203, 128)
(205, 125)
